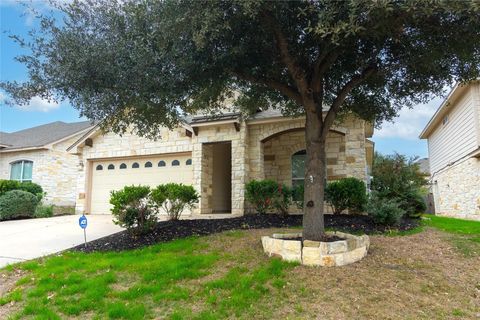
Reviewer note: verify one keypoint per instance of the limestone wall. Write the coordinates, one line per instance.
(456, 190)
(54, 169)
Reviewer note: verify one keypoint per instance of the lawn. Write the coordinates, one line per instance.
(423, 275)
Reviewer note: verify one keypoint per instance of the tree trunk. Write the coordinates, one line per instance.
(315, 174)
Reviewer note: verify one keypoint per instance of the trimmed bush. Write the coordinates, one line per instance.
(347, 193)
(131, 209)
(261, 194)
(17, 204)
(8, 185)
(33, 188)
(174, 198)
(384, 211)
(413, 203)
(282, 199)
(43, 211)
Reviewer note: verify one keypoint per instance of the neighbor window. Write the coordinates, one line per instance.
(148, 164)
(21, 170)
(175, 163)
(298, 168)
(135, 165)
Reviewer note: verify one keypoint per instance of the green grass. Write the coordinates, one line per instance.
(165, 279)
(466, 233)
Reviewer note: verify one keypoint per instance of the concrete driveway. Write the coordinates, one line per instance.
(22, 240)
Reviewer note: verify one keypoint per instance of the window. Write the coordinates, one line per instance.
(135, 165)
(21, 170)
(148, 164)
(189, 162)
(298, 168)
(175, 163)
(111, 167)
(99, 167)
(161, 163)
(123, 166)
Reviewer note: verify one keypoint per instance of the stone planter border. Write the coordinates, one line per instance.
(316, 253)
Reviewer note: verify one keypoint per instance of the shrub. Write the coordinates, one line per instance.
(174, 198)
(261, 193)
(43, 211)
(131, 209)
(8, 185)
(33, 188)
(17, 204)
(282, 199)
(413, 203)
(346, 193)
(297, 195)
(384, 211)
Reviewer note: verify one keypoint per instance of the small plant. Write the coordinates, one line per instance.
(132, 210)
(384, 211)
(347, 193)
(283, 199)
(17, 204)
(297, 195)
(174, 198)
(413, 204)
(261, 193)
(43, 211)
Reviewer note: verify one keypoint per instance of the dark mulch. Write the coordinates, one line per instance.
(169, 230)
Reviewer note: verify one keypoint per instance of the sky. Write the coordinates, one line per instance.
(400, 136)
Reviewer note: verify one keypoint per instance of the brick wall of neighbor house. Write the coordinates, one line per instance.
(457, 191)
(54, 169)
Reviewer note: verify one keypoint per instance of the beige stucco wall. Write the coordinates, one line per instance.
(456, 190)
(54, 169)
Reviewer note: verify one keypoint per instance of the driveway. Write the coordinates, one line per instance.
(22, 240)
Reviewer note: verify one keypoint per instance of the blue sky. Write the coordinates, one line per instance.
(401, 136)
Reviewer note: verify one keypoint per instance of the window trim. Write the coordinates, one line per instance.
(22, 161)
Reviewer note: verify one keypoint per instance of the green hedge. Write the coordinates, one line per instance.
(17, 204)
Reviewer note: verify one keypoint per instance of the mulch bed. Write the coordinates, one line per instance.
(169, 230)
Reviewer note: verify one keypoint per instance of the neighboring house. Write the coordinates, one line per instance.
(453, 136)
(217, 156)
(40, 155)
(423, 166)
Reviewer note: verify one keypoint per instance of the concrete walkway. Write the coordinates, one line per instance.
(22, 240)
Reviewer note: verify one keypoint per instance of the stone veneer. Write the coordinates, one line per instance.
(53, 168)
(316, 253)
(248, 155)
(456, 190)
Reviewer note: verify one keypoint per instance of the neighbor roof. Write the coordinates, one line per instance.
(41, 135)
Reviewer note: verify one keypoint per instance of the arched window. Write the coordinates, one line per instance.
(161, 163)
(298, 168)
(111, 167)
(21, 170)
(175, 163)
(135, 165)
(123, 166)
(148, 164)
(99, 167)
(189, 162)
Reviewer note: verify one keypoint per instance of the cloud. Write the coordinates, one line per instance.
(39, 104)
(410, 122)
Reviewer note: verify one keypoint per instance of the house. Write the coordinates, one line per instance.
(40, 155)
(218, 156)
(453, 135)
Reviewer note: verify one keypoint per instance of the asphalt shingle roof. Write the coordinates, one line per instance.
(41, 135)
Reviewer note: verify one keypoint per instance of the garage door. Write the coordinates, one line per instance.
(108, 175)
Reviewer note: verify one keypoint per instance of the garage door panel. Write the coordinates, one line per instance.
(104, 181)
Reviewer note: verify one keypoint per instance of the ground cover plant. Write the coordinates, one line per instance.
(227, 276)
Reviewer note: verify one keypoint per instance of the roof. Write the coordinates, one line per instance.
(444, 108)
(40, 136)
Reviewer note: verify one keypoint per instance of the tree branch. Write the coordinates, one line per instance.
(295, 70)
(320, 66)
(342, 94)
(284, 89)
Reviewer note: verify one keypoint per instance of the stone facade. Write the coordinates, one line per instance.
(456, 190)
(53, 168)
(252, 145)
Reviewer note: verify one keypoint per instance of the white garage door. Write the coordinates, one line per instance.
(108, 175)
